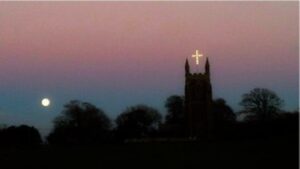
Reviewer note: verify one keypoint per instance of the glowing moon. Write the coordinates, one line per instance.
(45, 102)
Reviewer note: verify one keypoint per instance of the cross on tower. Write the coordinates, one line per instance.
(197, 56)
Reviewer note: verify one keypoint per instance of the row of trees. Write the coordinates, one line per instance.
(84, 123)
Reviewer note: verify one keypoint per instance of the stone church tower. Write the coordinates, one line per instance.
(198, 102)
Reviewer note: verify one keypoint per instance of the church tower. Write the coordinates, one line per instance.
(198, 102)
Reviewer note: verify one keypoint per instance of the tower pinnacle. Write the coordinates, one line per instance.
(207, 71)
(187, 67)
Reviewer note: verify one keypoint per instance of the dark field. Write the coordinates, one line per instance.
(281, 153)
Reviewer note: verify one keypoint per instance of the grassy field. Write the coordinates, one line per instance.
(252, 154)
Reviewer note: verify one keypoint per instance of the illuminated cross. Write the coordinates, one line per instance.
(197, 56)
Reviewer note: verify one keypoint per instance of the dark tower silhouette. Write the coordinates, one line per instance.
(198, 102)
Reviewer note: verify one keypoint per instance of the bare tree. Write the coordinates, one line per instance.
(261, 104)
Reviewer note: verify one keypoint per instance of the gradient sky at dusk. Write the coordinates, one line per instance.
(119, 54)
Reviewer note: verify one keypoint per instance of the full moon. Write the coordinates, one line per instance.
(45, 102)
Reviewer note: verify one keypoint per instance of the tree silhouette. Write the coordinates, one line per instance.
(223, 112)
(137, 122)
(80, 123)
(175, 109)
(174, 125)
(224, 119)
(261, 104)
(20, 136)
